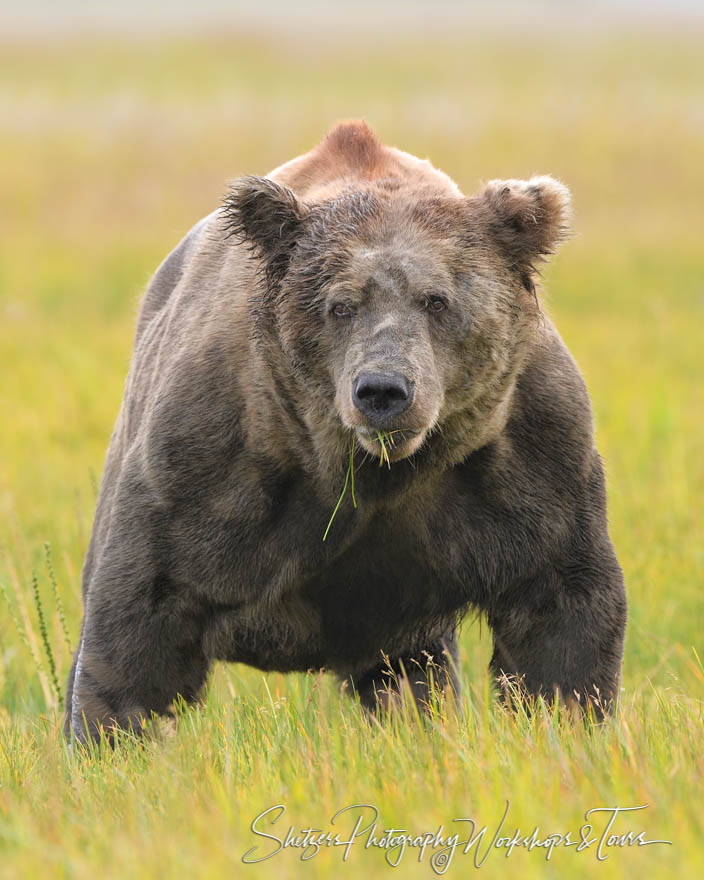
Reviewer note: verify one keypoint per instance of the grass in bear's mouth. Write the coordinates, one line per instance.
(385, 440)
(349, 480)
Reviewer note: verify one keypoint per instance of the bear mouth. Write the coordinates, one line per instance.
(398, 434)
(389, 445)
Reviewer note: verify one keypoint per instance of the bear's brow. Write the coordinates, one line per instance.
(384, 272)
(389, 279)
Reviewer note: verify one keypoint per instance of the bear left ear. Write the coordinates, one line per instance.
(528, 218)
(268, 217)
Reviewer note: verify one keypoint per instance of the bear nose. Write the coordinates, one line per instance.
(380, 396)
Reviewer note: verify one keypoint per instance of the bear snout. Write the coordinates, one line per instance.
(380, 397)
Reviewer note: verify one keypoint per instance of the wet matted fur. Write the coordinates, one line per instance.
(354, 289)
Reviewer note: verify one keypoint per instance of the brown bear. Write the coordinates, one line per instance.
(351, 309)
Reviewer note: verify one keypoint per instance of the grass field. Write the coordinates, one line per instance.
(109, 152)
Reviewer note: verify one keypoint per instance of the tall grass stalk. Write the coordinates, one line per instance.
(57, 596)
(45, 640)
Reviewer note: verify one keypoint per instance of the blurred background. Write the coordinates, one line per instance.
(120, 125)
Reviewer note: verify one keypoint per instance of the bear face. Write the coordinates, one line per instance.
(400, 311)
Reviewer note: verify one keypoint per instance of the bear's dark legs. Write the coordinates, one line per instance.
(563, 639)
(437, 664)
(134, 658)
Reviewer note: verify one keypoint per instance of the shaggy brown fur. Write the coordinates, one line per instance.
(353, 290)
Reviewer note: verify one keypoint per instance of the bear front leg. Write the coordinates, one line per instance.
(69, 692)
(434, 666)
(563, 632)
(141, 646)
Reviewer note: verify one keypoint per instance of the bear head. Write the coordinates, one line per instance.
(400, 309)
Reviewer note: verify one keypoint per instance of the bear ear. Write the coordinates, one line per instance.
(268, 217)
(528, 218)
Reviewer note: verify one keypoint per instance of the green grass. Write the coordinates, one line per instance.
(385, 439)
(349, 481)
(109, 152)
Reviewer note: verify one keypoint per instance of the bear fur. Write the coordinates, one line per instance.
(352, 290)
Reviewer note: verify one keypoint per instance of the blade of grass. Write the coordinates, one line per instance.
(349, 477)
(45, 639)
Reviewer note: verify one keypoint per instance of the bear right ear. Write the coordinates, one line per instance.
(268, 217)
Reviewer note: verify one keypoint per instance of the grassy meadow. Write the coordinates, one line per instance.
(110, 149)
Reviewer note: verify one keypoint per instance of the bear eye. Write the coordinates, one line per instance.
(340, 310)
(434, 303)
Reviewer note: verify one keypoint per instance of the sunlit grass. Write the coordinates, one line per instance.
(109, 152)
